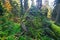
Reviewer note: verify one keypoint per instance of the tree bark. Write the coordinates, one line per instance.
(25, 5)
(58, 15)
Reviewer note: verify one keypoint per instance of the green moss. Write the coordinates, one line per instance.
(56, 29)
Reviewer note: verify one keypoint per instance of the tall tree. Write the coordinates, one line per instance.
(56, 12)
(25, 5)
(32, 2)
(22, 14)
(39, 4)
(21, 5)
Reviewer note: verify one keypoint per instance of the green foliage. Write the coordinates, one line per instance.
(1, 9)
(25, 38)
(38, 25)
(8, 28)
(11, 38)
(15, 8)
(46, 38)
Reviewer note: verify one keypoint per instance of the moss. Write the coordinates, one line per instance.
(56, 29)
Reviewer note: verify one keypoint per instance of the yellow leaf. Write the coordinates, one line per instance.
(7, 5)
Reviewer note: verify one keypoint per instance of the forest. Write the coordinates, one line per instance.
(29, 20)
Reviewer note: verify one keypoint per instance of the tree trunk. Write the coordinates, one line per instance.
(25, 5)
(58, 15)
(39, 4)
(21, 3)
